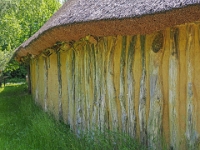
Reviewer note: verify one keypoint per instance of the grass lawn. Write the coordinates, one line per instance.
(24, 126)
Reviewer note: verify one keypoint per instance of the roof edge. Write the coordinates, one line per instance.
(145, 24)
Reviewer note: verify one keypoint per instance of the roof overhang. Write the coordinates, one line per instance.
(144, 24)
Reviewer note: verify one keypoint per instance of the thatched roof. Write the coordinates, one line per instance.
(79, 18)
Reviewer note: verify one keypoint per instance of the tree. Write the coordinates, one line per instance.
(19, 20)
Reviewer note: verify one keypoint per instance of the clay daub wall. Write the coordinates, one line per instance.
(145, 85)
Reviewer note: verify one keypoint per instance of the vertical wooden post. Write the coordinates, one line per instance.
(174, 89)
(77, 94)
(96, 82)
(102, 103)
(46, 82)
(87, 84)
(82, 87)
(37, 80)
(70, 71)
(29, 79)
(143, 94)
(191, 133)
(111, 91)
(122, 96)
(156, 95)
(131, 87)
(60, 112)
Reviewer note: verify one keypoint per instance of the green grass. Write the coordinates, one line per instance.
(15, 80)
(24, 126)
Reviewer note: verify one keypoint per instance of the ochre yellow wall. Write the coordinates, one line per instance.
(53, 95)
(144, 85)
(41, 82)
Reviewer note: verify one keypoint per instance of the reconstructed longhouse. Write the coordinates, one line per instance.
(127, 65)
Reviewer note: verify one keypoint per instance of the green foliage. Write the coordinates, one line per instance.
(19, 20)
(12, 65)
(4, 58)
(25, 126)
(19, 72)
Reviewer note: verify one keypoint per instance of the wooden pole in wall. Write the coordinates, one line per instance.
(29, 79)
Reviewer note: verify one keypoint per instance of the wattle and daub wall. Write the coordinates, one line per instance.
(145, 85)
